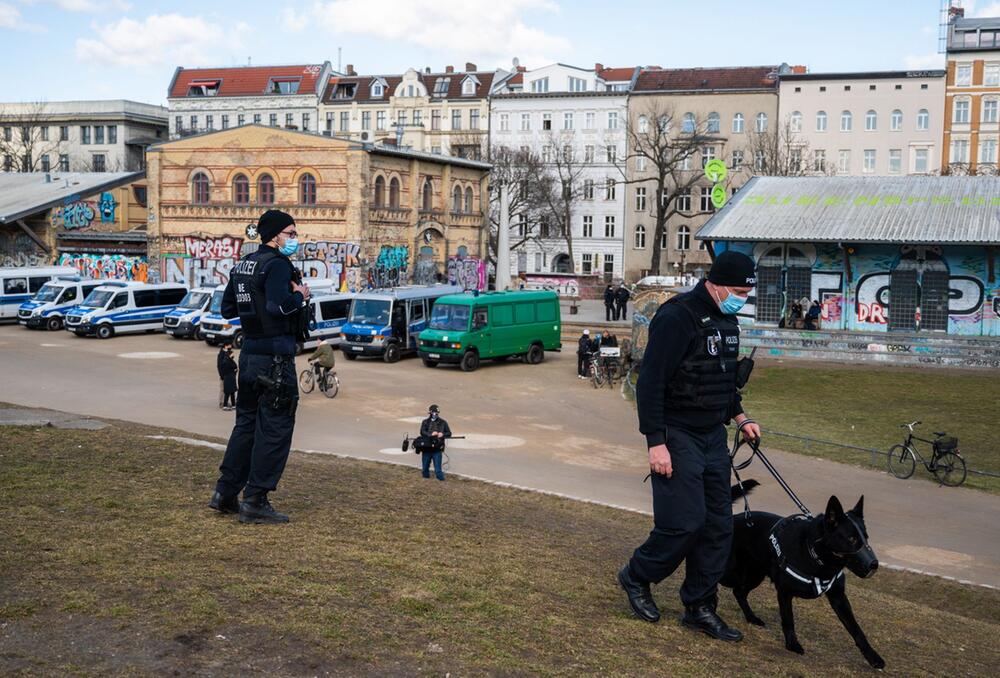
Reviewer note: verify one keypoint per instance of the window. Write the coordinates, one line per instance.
(988, 151)
(366, 120)
(688, 124)
(394, 192)
(378, 90)
(468, 200)
(706, 199)
(99, 162)
(871, 121)
(63, 162)
(256, 118)
(683, 200)
(895, 161)
(609, 264)
(663, 238)
(473, 118)
(241, 120)
(112, 134)
(199, 189)
(758, 161)
(567, 153)
(540, 85)
(643, 124)
(468, 87)
(586, 263)
(441, 86)
(428, 196)
(871, 88)
(283, 86)
(84, 134)
(963, 75)
(546, 121)
(225, 123)
(640, 237)
(241, 189)
(819, 161)
(378, 192)
(738, 123)
(713, 123)
(418, 118)
(609, 226)
(265, 190)
(961, 110)
(567, 121)
(345, 121)
(612, 152)
(612, 119)
(45, 132)
(15, 286)
(989, 110)
(683, 238)
(525, 122)
(380, 120)
(546, 153)
(522, 225)
(307, 189)
(846, 121)
(920, 161)
(762, 122)
(707, 154)
(456, 199)
(209, 122)
(821, 121)
(640, 163)
(64, 130)
(588, 226)
(737, 161)
(45, 163)
(588, 189)
(869, 161)
(588, 154)
(273, 119)
(577, 85)
(305, 121)
(589, 119)
(795, 121)
(991, 75)
(456, 119)
(504, 122)
(896, 120)
(401, 119)
(640, 199)
(844, 161)
(609, 189)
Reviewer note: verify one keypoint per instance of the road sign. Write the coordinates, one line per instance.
(715, 170)
(718, 196)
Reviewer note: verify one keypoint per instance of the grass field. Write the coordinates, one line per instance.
(111, 564)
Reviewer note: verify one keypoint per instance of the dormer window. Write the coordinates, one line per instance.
(203, 88)
(283, 86)
(468, 87)
(344, 91)
(441, 86)
(378, 90)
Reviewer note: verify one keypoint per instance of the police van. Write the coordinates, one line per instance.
(18, 284)
(330, 311)
(124, 307)
(47, 309)
(387, 322)
(185, 320)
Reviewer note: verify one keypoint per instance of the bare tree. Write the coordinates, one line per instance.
(782, 152)
(27, 137)
(525, 176)
(560, 187)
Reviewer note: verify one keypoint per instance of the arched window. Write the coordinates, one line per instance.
(456, 199)
(199, 189)
(871, 121)
(379, 192)
(468, 200)
(795, 121)
(640, 237)
(307, 189)
(643, 124)
(846, 121)
(265, 190)
(687, 127)
(241, 190)
(713, 123)
(821, 121)
(683, 238)
(738, 123)
(762, 122)
(428, 196)
(923, 119)
(394, 192)
(896, 120)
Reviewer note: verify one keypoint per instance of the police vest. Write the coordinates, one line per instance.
(251, 298)
(706, 378)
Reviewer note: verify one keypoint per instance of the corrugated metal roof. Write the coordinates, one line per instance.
(898, 210)
(25, 193)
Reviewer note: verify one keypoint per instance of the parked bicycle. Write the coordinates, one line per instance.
(946, 463)
(604, 368)
(310, 377)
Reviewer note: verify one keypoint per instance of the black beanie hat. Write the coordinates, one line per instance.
(733, 269)
(271, 223)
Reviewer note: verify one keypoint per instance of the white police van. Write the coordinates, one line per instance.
(18, 284)
(217, 330)
(185, 320)
(330, 311)
(124, 307)
(47, 309)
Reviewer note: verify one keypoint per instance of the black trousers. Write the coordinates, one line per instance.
(692, 516)
(621, 310)
(610, 312)
(262, 437)
(581, 364)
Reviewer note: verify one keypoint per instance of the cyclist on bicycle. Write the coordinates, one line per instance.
(323, 358)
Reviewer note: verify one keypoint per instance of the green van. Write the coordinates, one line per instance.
(466, 328)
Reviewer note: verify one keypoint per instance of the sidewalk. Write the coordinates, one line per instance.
(591, 312)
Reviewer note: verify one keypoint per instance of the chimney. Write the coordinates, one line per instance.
(427, 70)
(470, 67)
(598, 67)
(449, 69)
(522, 69)
(350, 69)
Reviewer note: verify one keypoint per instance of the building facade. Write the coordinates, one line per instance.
(972, 96)
(865, 123)
(579, 114)
(207, 99)
(445, 113)
(724, 105)
(367, 215)
(79, 136)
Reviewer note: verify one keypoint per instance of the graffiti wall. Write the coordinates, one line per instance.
(108, 266)
(205, 262)
(17, 249)
(330, 259)
(391, 267)
(469, 272)
(81, 214)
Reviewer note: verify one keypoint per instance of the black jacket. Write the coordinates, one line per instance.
(583, 345)
(227, 371)
(439, 425)
(609, 297)
(672, 334)
(622, 296)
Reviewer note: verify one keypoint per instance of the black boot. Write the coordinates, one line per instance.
(639, 596)
(224, 504)
(703, 618)
(258, 510)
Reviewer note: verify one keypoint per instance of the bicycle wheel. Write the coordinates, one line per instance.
(596, 378)
(332, 386)
(949, 469)
(902, 463)
(307, 381)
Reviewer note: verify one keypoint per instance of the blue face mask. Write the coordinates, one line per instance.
(290, 247)
(732, 304)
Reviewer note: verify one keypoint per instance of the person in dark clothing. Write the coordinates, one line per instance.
(435, 429)
(609, 339)
(219, 360)
(610, 311)
(265, 291)
(686, 392)
(582, 354)
(227, 372)
(621, 302)
(813, 314)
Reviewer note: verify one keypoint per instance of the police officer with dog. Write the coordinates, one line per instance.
(266, 292)
(686, 392)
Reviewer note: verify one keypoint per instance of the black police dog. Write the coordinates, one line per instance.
(804, 558)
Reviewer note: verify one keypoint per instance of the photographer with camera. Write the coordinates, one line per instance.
(265, 290)
(430, 444)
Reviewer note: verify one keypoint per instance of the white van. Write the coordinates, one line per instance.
(330, 311)
(18, 284)
(122, 307)
(47, 309)
(185, 320)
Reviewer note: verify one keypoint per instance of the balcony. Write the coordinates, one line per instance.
(393, 215)
(466, 219)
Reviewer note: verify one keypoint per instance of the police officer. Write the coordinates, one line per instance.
(265, 291)
(686, 392)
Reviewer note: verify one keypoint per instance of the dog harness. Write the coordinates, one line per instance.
(813, 586)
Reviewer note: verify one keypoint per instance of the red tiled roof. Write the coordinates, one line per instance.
(615, 74)
(363, 83)
(245, 80)
(693, 79)
(517, 79)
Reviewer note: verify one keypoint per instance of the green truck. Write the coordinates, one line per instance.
(467, 328)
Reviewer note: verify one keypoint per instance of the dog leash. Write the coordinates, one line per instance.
(738, 442)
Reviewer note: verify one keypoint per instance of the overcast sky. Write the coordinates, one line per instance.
(52, 50)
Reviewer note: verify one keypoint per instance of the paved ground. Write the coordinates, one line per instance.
(533, 426)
